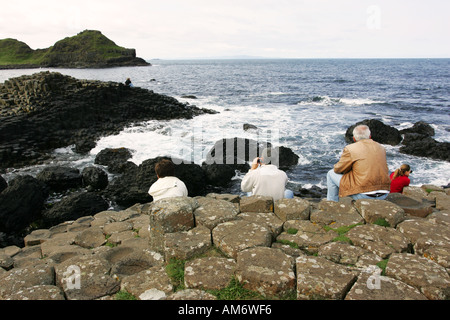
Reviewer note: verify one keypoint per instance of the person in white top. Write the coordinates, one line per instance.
(167, 185)
(265, 179)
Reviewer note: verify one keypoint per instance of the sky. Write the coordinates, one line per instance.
(185, 29)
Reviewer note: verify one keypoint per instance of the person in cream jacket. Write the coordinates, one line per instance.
(265, 179)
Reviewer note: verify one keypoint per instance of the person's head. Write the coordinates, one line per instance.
(361, 132)
(404, 170)
(165, 168)
(270, 156)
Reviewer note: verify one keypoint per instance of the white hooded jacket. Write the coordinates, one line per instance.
(168, 187)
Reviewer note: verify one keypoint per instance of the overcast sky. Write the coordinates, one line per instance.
(169, 29)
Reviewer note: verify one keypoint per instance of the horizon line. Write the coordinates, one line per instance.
(299, 58)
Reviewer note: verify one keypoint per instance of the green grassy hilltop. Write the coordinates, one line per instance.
(88, 49)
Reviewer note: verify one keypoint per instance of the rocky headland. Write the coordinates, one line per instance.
(48, 110)
(88, 49)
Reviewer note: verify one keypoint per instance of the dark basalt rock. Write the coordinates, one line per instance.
(59, 178)
(75, 206)
(219, 174)
(381, 132)
(425, 146)
(3, 184)
(420, 127)
(116, 159)
(418, 141)
(21, 203)
(94, 178)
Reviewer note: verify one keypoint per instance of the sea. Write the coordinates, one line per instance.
(303, 104)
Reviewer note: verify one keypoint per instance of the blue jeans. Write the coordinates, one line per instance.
(288, 194)
(333, 181)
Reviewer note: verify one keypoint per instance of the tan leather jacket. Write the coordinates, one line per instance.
(364, 166)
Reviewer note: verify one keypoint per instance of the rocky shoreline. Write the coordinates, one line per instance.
(48, 110)
(112, 182)
(110, 233)
(396, 249)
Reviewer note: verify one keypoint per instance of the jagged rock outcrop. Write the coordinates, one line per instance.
(425, 146)
(60, 178)
(47, 110)
(73, 207)
(21, 203)
(381, 133)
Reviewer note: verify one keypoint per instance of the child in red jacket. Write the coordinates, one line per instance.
(400, 178)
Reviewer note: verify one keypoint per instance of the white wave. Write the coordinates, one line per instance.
(270, 93)
(357, 101)
(404, 125)
(329, 101)
(303, 160)
(319, 101)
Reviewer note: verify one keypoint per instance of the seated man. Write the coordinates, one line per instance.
(167, 184)
(362, 171)
(266, 179)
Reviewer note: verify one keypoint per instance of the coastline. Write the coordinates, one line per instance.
(49, 97)
(131, 248)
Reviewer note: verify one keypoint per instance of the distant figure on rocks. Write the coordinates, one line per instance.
(400, 178)
(265, 179)
(128, 83)
(167, 185)
(362, 171)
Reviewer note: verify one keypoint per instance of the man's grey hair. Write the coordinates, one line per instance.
(361, 132)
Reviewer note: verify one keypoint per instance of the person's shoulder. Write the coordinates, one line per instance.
(373, 142)
(253, 172)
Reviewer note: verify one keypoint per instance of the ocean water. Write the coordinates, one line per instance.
(306, 105)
